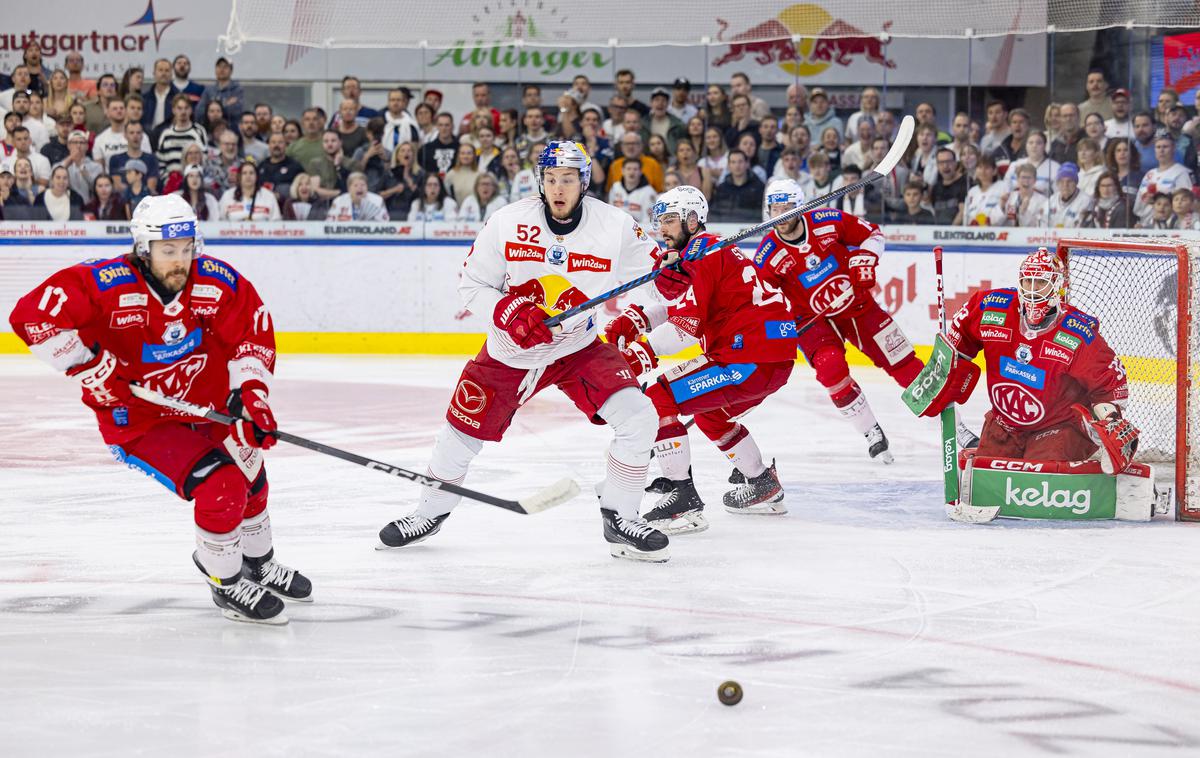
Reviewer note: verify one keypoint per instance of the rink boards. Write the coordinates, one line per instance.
(390, 288)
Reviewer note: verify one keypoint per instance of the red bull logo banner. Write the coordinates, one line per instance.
(805, 40)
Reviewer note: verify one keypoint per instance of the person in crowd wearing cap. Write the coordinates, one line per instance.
(38, 133)
(662, 122)
(135, 182)
(1070, 207)
(680, 107)
(225, 91)
(56, 149)
(820, 116)
(133, 151)
(1164, 178)
(1097, 95)
(432, 98)
(1119, 124)
(81, 169)
(61, 203)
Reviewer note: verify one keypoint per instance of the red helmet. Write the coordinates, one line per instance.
(1040, 283)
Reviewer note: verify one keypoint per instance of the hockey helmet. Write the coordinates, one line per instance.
(1040, 282)
(162, 217)
(564, 154)
(686, 200)
(781, 192)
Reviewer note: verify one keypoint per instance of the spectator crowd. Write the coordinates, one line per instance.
(76, 148)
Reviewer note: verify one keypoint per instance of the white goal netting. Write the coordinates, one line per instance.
(1133, 288)
(373, 23)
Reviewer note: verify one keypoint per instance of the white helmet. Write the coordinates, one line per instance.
(162, 217)
(685, 200)
(564, 154)
(781, 191)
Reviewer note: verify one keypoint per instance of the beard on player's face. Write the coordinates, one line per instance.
(169, 263)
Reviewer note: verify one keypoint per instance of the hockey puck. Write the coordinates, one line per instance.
(730, 693)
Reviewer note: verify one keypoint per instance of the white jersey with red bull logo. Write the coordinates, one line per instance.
(516, 252)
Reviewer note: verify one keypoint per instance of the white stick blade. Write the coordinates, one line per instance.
(971, 514)
(556, 494)
(903, 137)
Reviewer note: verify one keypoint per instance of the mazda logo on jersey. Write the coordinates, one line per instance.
(1017, 403)
(470, 397)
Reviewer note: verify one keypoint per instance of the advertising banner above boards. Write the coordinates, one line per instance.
(382, 288)
(782, 43)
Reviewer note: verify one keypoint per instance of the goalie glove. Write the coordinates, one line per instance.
(257, 428)
(626, 328)
(948, 377)
(640, 357)
(862, 269)
(1114, 435)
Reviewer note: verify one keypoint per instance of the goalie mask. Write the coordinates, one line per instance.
(1040, 283)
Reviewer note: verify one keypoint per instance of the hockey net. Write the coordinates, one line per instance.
(1145, 294)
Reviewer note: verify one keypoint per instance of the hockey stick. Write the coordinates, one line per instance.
(881, 170)
(556, 494)
(949, 436)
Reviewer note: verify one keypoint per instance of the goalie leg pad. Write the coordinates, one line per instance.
(1060, 490)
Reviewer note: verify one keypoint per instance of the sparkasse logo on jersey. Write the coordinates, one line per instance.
(516, 251)
(584, 262)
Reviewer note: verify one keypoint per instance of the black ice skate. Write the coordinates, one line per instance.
(241, 600)
(680, 511)
(877, 444)
(663, 485)
(736, 476)
(761, 494)
(409, 530)
(634, 539)
(284, 581)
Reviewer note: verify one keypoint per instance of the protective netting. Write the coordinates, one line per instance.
(448, 23)
(1133, 291)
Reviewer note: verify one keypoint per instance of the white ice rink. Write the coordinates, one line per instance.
(863, 623)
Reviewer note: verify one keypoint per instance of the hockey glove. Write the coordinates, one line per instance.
(640, 356)
(1114, 435)
(524, 321)
(674, 279)
(948, 376)
(626, 328)
(249, 402)
(862, 269)
(105, 380)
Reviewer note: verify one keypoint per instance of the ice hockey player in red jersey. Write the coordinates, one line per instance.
(173, 320)
(1044, 359)
(817, 258)
(748, 336)
(533, 258)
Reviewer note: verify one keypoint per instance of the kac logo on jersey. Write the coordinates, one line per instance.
(556, 255)
(1030, 376)
(1017, 403)
(816, 275)
(112, 275)
(215, 269)
(1024, 353)
(172, 353)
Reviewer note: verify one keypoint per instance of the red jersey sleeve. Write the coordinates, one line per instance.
(1098, 369)
(962, 331)
(48, 318)
(853, 230)
(243, 323)
(689, 313)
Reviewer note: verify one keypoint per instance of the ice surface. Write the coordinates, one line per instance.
(862, 623)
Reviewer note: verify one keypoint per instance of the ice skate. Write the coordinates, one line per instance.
(761, 494)
(634, 539)
(409, 530)
(679, 511)
(284, 581)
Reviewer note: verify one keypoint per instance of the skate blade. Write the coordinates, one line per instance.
(760, 509)
(278, 620)
(885, 457)
(681, 525)
(633, 554)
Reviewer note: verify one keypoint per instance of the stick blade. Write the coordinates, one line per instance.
(903, 137)
(551, 496)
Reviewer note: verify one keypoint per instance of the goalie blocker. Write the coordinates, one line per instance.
(1062, 490)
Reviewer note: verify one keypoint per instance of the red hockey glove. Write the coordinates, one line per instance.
(524, 321)
(1114, 435)
(249, 402)
(105, 380)
(626, 328)
(640, 356)
(862, 269)
(958, 387)
(674, 280)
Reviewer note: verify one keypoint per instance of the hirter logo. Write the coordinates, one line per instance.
(516, 251)
(582, 262)
(124, 319)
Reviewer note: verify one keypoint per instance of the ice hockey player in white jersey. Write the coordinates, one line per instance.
(534, 258)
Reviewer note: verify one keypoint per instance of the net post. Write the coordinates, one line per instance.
(1183, 505)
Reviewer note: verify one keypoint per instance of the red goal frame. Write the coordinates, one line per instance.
(1184, 509)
